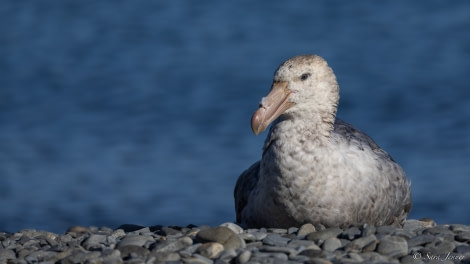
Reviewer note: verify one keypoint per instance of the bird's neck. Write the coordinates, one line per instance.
(311, 123)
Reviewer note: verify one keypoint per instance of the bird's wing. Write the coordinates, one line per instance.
(245, 184)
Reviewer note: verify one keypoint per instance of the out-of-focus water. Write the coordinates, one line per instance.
(138, 111)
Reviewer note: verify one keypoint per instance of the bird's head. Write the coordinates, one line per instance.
(302, 85)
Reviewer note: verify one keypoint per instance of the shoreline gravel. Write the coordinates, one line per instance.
(419, 241)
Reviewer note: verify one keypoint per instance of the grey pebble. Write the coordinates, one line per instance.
(222, 235)
(244, 257)
(210, 250)
(351, 233)
(393, 246)
(324, 234)
(197, 259)
(420, 240)
(276, 240)
(133, 251)
(286, 250)
(135, 240)
(302, 244)
(227, 255)
(368, 230)
(94, 242)
(439, 248)
(6, 254)
(463, 236)
(173, 245)
(234, 227)
(365, 244)
(305, 230)
(331, 244)
(229, 243)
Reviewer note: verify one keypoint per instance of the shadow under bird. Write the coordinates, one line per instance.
(316, 168)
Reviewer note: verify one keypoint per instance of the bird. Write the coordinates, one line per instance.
(316, 168)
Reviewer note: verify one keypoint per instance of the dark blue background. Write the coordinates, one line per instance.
(138, 111)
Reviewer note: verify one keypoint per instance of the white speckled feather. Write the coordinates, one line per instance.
(316, 168)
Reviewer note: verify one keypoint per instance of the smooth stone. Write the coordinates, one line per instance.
(40, 256)
(411, 259)
(305, 230)
(368, 230)
(289, 251)
(257, 256)
(227, 255)
(459, 228)
(302, 244)
(165, 256)
(112, 257)
(189, 250)
(222, 235)
(275, 240)
(414, 225)
(259, 235)
(173, 245)
(351, 233)
(280, 231)
(94, 242)
(168, 231)
(243, 257)
(420, 240)
(367, 243)
(318, 261)
(438, 230)
(136, 240)
(234, 227)
(463, 236)
(247, 237)
(355, 257)
(374, 257)
(462, 249)
(393, 246)
(324, 234)
(311, 253)
(197, 259)
(80, 256)
(292, 230)
(385, 230)
(210, 250)
(331, 244)
(441, 247)
(133, 250)
(6, 254)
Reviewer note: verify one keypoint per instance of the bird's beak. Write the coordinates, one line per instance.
(271, 107)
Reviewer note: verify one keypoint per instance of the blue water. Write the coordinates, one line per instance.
(138, 111)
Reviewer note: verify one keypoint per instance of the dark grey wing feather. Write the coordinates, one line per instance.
(245, 184)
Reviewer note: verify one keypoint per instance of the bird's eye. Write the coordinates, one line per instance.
(304, 76)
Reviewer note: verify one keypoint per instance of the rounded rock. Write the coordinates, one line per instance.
(244, 257)
(331, 244)
(324, 234)
(210, 250)
(305, 230)
(222, 235)
(393, 246)
(234, 227)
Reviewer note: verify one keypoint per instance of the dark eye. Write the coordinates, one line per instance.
(304, 76)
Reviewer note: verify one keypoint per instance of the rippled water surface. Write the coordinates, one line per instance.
(138, 112)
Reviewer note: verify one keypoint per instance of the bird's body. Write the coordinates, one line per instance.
(316, 168)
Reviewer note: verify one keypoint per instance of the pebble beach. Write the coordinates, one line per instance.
(419, 241)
